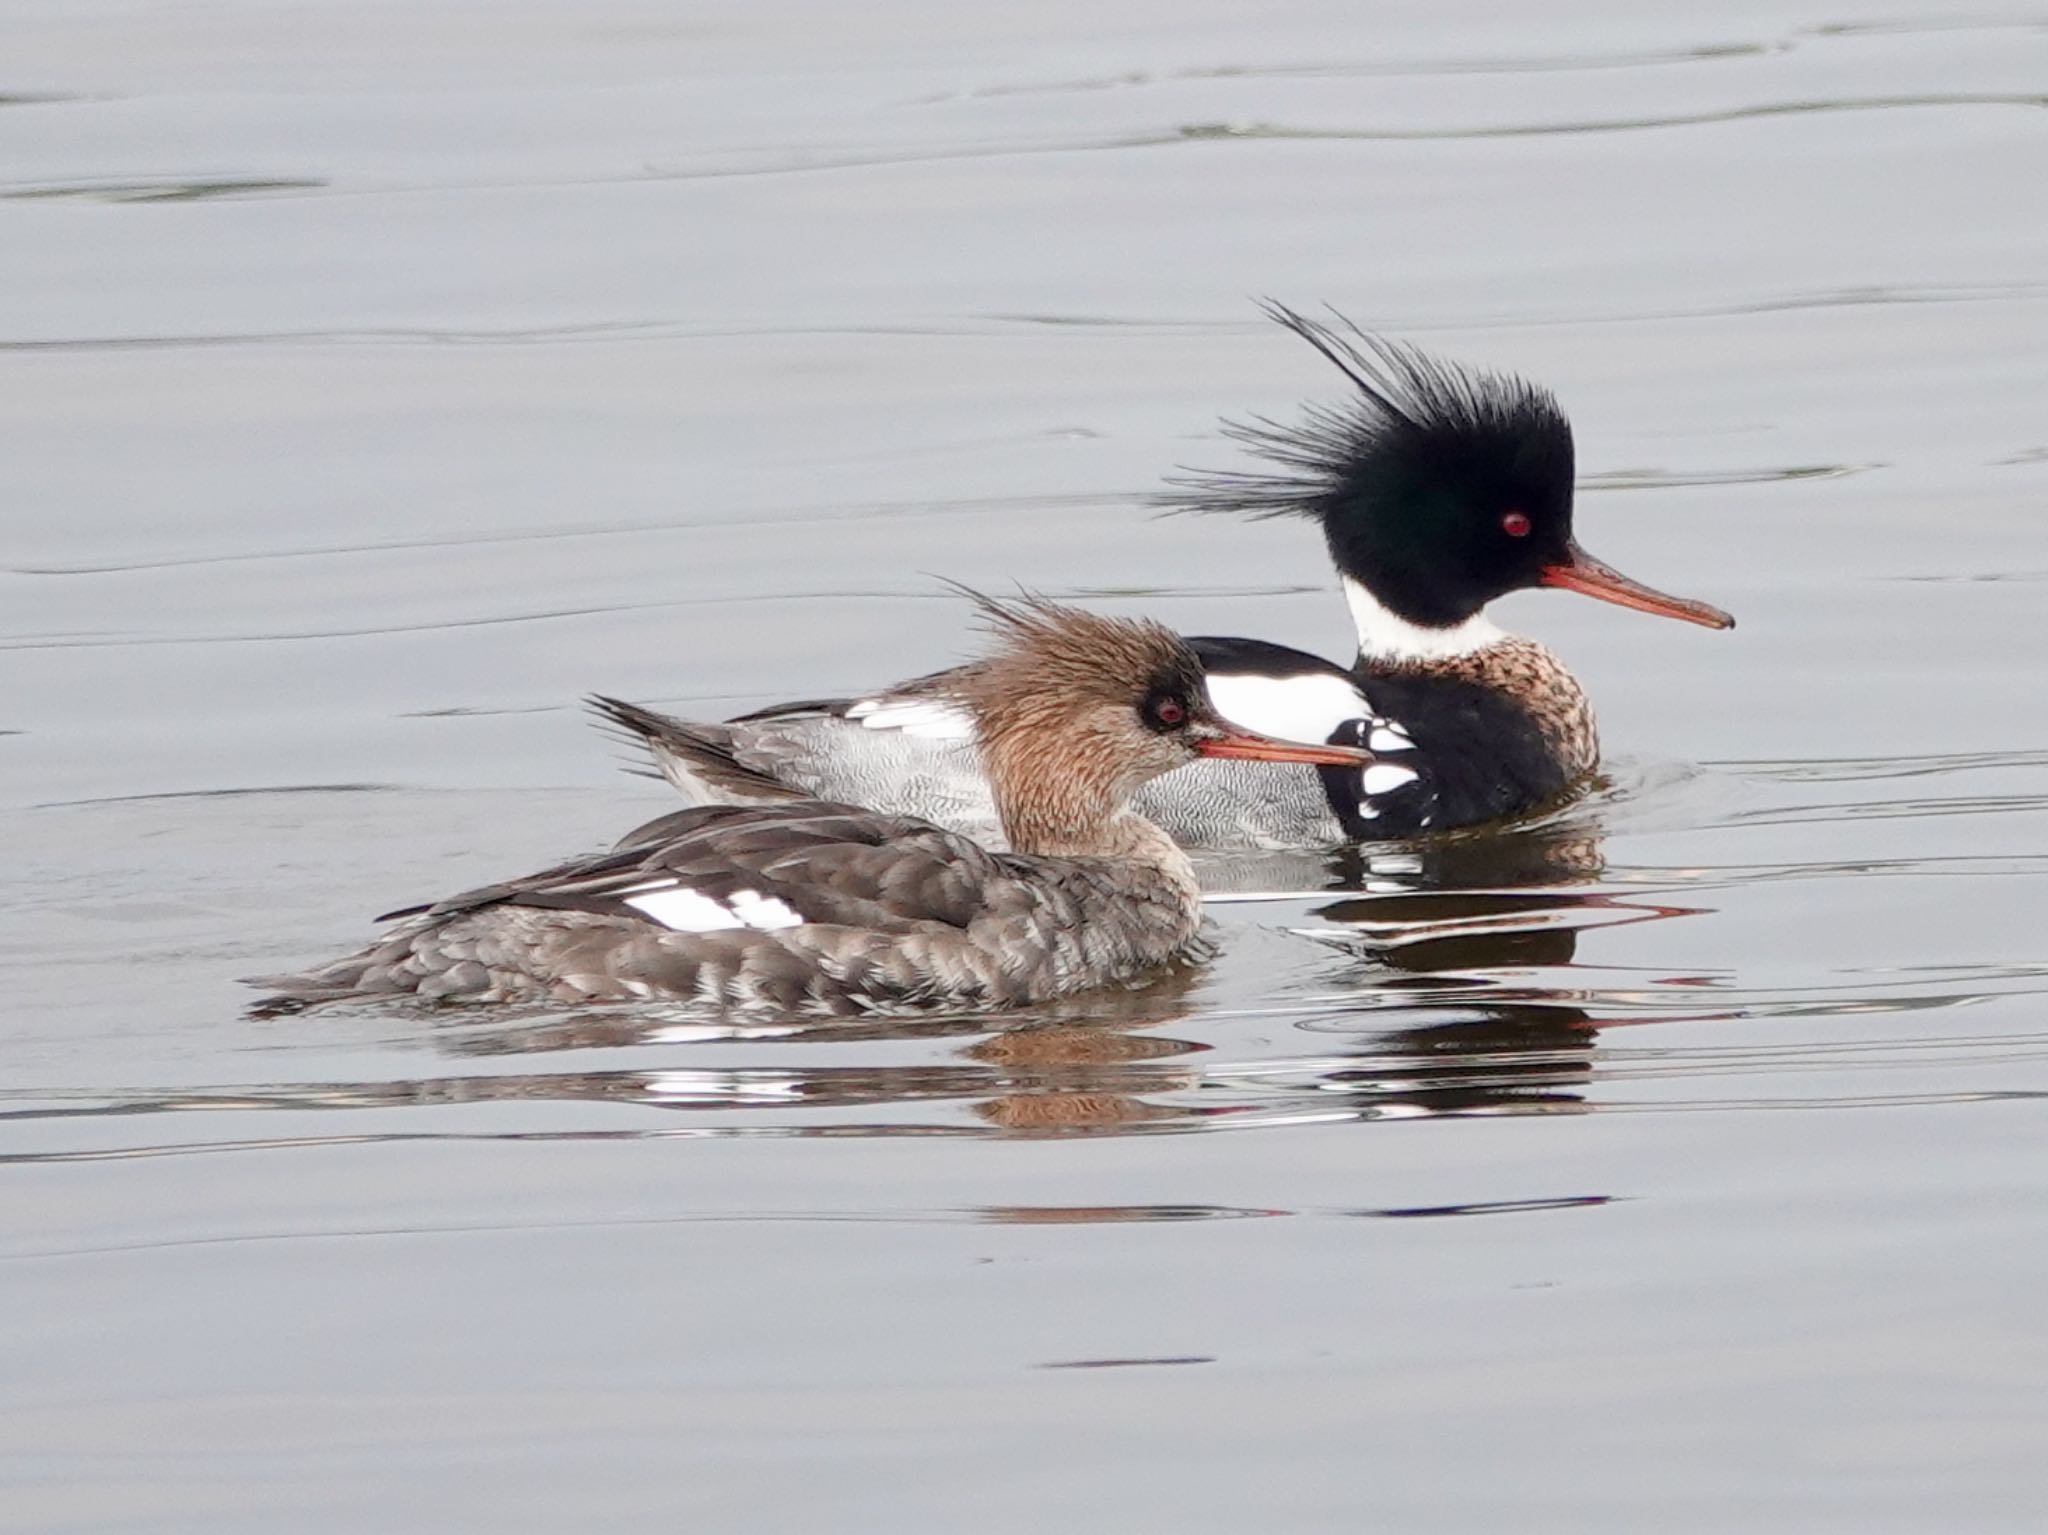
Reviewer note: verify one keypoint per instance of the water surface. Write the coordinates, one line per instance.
(374, 381)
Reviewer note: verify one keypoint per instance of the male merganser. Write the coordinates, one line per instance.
(809, 907)
(1438, 489)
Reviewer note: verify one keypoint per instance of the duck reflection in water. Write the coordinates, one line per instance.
(1444, 995)
(1453, 938)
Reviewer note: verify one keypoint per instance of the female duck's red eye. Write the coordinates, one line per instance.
(1165, 712)
(1515, 524)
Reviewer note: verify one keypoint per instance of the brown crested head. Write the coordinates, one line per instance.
(1075, 709)
(1106, 699)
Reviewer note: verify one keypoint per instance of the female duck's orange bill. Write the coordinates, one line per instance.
(1245, 746)
(1580, 572)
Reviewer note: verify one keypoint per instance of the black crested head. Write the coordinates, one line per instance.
(1438, 487)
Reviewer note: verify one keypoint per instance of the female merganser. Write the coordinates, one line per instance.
(1438, 489)
(816, 908)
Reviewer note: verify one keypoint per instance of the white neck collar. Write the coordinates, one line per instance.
(1384, 635)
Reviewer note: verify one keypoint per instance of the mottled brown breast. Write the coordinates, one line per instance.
(1530, 676)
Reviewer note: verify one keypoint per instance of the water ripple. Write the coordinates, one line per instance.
(978, 1215)
(800, 162)
(1531, 64)
(1358, 69)
(1680, 479)
(996, 322)
(966, 506)
(37, 642)
(164, 189)
(1467, 1047)
(1864, 769)
(788, 160)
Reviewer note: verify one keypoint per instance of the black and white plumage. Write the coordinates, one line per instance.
(911, 751)
(1438, 489)
(800, 906)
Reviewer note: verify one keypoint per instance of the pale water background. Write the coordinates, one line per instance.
(376, 378)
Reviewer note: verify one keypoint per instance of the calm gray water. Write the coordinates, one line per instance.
(374, 379)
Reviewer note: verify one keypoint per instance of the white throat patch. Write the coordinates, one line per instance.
(1386, 636)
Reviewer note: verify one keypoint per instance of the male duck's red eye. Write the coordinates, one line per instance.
(1515, 524)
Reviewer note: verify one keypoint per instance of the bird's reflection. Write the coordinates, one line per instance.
(1444, 1008)
(1447, 983)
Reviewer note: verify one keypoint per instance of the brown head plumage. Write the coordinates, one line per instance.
(1074, 710)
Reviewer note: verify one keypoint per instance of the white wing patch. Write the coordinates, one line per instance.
(928, 718)
(682, 910)
(1386, 777)
(1306, 707)
(764, 912)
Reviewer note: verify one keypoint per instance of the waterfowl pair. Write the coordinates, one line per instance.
(1438, 489)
